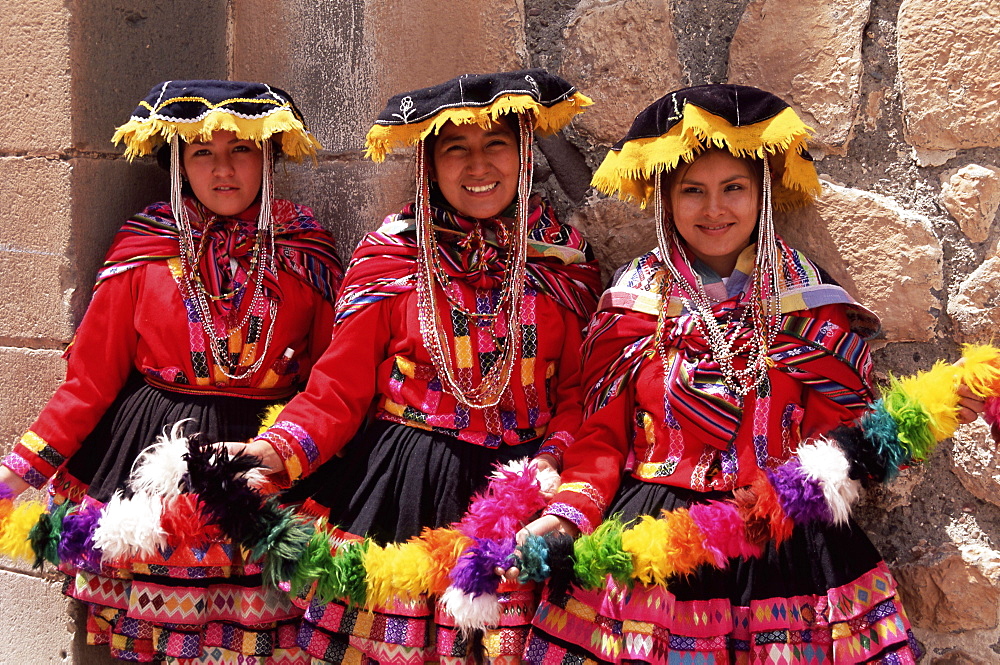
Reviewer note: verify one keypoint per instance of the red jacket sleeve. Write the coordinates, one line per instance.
(567, 395)
(100, 360)
(318, 422)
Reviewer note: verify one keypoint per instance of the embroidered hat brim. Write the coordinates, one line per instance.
(742, 119)
(193, 110)
(479, 98)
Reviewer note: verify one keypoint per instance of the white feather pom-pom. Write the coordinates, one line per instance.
(158, 470)
(128, 527)
(471, 612)
(518, 466)
(824, 461)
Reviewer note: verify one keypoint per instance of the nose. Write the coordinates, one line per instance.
(477, 162)
(222, 165)
(714, 206)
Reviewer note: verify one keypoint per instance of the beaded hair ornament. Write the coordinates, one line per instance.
(192, 111)
(749, 123)
(543, 103)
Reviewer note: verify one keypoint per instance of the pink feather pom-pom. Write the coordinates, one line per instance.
(506, 505)
(992, 413)
(724, 531)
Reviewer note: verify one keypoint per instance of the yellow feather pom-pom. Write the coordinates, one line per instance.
(646, 542)
(14, 541)
(934, 390)
(981, 369)
(270, 417)
(398, 571)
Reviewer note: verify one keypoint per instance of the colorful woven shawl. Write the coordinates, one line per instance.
(301, 246)
(827, 359)
(384, 264)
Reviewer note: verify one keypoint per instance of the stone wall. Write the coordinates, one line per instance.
(903, 96)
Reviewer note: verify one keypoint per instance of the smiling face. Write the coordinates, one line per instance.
(225, 172)
(476, 168)
(715, 202)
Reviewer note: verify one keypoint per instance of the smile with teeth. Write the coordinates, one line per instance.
(481, 189)
(714, 228)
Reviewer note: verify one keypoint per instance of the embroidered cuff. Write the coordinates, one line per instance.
(588, 491)
(572, 514)
(293, 467)
(555, 444)
(39, 454)
(24, 470)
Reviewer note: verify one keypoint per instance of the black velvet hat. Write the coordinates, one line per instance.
(746, 121)
(193, 110)
(479, 98)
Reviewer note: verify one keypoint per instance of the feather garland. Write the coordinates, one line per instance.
(475, 572)
(130, 528)
(506, 504)
(444, 546)
(159, 469)
(471, 612)
(880, 429)
(283, 545)
(600, 554)
(14, 543)
(801, 497)
(533, 560)
(823, 461)
(78, 532)
(725, 535)
(316, 559)
(46, 534)
(186, 523)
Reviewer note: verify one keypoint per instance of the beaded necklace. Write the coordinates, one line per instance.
(431, 276)
(261, 261)
(761, 316)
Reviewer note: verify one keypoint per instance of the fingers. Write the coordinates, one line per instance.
(970, 405)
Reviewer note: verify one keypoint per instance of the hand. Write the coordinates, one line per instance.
(970, 406)
(543, 525)
(270, 461)
(547, 472)
(12, 480)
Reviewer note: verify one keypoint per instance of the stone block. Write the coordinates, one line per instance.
(35, 204)
(121, 49)
(36, 626)
(948, 63)
(975, 309)
(617, 231)
(30, 378)
(341, 61)
(106, 192)
(886, 257)
(349, 198)
(942, 592)
(808, 52)
(976, 461)
(35, 76)
(623, 67)
(971, 195)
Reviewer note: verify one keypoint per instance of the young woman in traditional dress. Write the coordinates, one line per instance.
(209, 308)
(711, 359)
(456, 347)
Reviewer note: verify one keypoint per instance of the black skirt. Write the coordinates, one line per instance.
(140, 414)
(394, 480)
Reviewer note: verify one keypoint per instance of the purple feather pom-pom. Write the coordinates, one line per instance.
(6, 492)
(800, 496)
(78, 533)
(475, 572)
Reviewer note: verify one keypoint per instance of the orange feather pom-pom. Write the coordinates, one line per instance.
(685, 542)
(762, 512)
(443, 546)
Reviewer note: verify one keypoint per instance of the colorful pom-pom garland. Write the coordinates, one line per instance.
(202, 491)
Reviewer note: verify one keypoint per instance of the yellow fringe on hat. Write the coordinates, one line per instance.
(14, 542)
(383, 139)
(630, 172)
(141, 137)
